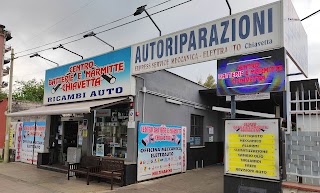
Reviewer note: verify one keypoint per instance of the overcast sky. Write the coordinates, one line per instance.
(37, 22)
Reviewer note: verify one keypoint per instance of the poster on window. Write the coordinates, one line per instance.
(39, 140)
(28, 133)
(161, 150)
(33, 134)
(13, 127)
(18, 141)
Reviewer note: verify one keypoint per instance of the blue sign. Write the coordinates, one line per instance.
(103, 76)
(254, 73)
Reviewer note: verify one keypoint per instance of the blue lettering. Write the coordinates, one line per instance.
(225, 24)
(233, 29)
(119, 90)
(64, 98)
(192, 41)
(100, 92)
(58, 98)
(213, 35)
(183, 41)
(176, 44)
(49, 99)
(109, 90)
(84, 95)
(203, 37)
(138, 55)
(258, 24)
(244, 35)
(152, 49)
(160, 48)
(70, 96)
(145, 52)
(169, 46)
(78, 95)
(93, 94)
(270, 27)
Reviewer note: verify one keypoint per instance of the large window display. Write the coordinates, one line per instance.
(110, 132)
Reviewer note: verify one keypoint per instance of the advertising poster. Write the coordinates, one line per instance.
(39, 140)
(160, 150)
(254, 73)
(252, 148)
(99, 149)
(18, 139)
(28, 133)
(103, 76)
(12, 141)
(33, 134)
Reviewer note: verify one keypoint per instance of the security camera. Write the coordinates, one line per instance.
(4, 84)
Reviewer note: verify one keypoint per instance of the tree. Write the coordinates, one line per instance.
(210, 82)
(30, 90)
(3, 95)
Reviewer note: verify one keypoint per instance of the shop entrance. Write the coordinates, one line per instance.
(66, 136)
(69, 139)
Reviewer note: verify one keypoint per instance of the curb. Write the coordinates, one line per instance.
(298, 186)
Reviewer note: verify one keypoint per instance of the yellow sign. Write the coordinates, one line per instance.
(250, 145)
(253, 136)
(247, 150)
(252, 155)
(252, 160)
(252, 148)
(250, 141)
(251, 166)
(85, 133)
(252, 171)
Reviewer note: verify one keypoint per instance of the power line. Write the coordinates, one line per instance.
(109, 28)
(88, 30)
(312, 14)
(83, 6)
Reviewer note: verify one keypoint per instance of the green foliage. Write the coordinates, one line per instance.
(210, 82)
(3, 95)
(30, 90)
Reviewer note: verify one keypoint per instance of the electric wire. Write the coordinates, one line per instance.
(109, 28)
(61, 20)
(109, 23)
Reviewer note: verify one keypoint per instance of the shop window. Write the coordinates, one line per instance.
(196, 132)
(110, 132)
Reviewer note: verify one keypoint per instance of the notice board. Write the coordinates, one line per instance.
(252, 148)
(161, 150)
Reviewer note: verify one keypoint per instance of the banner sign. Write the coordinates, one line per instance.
(295, 37)
(12, 141)
(40, 133)
(18, 139)
(103, 76)
(161, 150)
(33, 134)
(28, 133)
(247, 32)
(255, 73)
(252, 148)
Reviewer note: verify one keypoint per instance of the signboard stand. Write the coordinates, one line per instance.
(252, 156)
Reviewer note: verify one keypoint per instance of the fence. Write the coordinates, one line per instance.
(303, 143)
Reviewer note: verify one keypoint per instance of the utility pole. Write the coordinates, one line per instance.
(8, 120)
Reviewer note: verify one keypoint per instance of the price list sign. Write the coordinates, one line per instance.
(252, 148)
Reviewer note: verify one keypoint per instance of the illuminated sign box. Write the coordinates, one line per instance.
(254, 73)
(252, 148)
